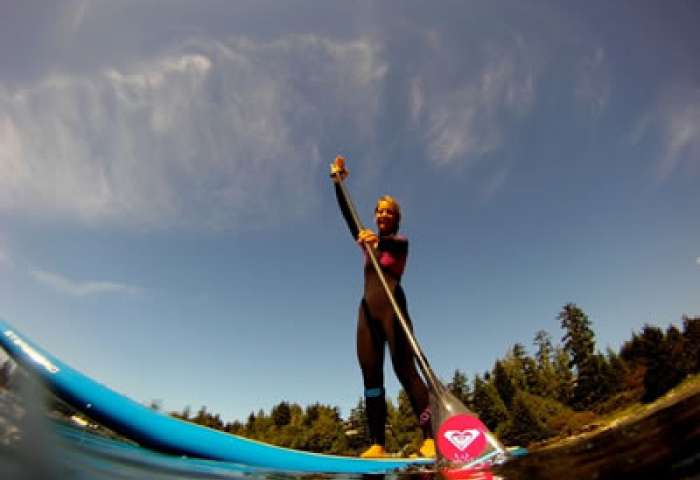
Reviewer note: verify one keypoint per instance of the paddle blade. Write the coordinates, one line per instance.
(460, 436)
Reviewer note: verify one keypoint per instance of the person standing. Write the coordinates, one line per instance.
(377, 324)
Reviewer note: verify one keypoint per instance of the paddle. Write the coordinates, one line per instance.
(460, 436)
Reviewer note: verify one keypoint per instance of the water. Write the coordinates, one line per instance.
(78, 454)
(663, 446)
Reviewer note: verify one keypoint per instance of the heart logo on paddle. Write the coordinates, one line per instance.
(461, 438)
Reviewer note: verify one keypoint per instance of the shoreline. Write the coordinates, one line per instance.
(659, 439)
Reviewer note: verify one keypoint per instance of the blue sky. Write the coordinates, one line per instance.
(167, 224)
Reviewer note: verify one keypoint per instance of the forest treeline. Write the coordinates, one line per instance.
(524, 398)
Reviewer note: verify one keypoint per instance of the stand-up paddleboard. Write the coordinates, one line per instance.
(161, 432)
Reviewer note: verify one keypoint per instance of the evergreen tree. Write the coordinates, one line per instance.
(677, 353)
(691, 334)
(297, 414)
(612, 372)
(488, 404)
(605, 384)
(250, 425)
(281, 414)
(516, 367)
(531, 374)
(404, 425)
(235, 428)
(668, 367)
(201, 417)
(521, 369)
(545, 350)
(326, 433)
(503, 384)
(356, 427)
(519, 351)
(311, 413)
(564, 376)
(514, 364)
(215, 422)
(649, 350)
(527, 422)
(579, 342)
(185, 414)
(547, 380)
(390, 440)
(459, 386)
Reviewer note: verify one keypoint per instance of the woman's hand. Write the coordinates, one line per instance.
(338, 170)
(368, 237)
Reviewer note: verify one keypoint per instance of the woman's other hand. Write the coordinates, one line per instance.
(368, 237)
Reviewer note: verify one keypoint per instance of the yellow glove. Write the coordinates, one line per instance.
(368, 237)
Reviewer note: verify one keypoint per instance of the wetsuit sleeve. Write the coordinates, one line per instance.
(345, 209)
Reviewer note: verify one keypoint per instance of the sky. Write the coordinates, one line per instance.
(168, 227)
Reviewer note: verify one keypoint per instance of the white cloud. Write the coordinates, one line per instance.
(679, 117)
(697, 260)
(417, 99)
(674, 122)
(640, 129)
(74, 15)
(592, 88)
(7, 258)
(494, 184)
(224, 135)
(470, 119)
(80, 289)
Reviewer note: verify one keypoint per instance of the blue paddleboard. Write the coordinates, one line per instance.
(164, 433)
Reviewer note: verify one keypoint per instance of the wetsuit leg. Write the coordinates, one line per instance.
(403, 361)
(370, 353)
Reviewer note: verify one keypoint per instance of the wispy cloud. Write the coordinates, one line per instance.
(494, 184)
(471, 119)
(7, 257)
(68, 286)
(218, 135)
(592, 89)
(74, 15)
(640, 129)
(4, 256)
(672, 125)
(679, 117)
(417, 99)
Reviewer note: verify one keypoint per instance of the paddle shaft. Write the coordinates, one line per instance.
(428, 373)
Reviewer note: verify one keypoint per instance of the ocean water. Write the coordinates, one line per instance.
(663, 446)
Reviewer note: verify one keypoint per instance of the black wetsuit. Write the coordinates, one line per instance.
(378, 325)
